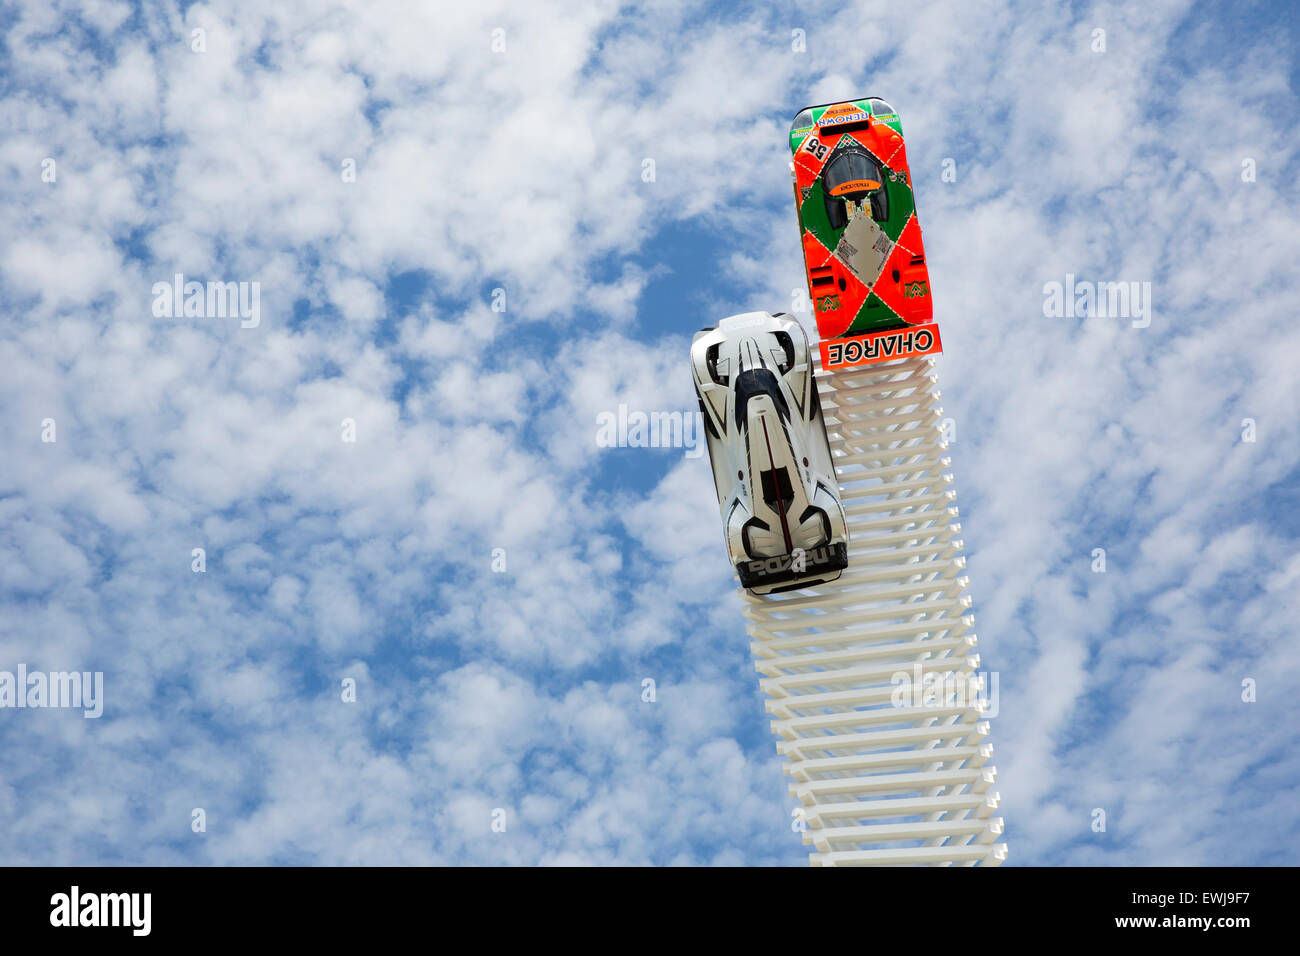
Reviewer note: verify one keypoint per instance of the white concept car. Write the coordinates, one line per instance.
(772, 467)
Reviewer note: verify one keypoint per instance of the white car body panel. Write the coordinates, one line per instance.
(777, 492)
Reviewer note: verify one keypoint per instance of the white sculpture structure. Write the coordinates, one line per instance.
(875, 698)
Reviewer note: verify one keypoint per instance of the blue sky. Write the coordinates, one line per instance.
(521, 170)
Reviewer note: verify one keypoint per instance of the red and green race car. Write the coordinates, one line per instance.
(862, 246)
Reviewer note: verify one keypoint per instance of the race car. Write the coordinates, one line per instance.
(863, 254)
(772, 466)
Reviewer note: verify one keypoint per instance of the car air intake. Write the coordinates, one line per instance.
(777, 487)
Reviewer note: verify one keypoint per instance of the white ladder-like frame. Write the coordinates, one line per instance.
(887, 771)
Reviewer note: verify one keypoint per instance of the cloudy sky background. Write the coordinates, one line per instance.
(521, 170)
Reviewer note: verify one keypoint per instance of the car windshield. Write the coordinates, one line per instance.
(851, 166)
(853, 175)
(754, 382)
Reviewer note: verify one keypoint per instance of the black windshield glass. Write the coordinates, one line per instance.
(758, 381)
(856, 168)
